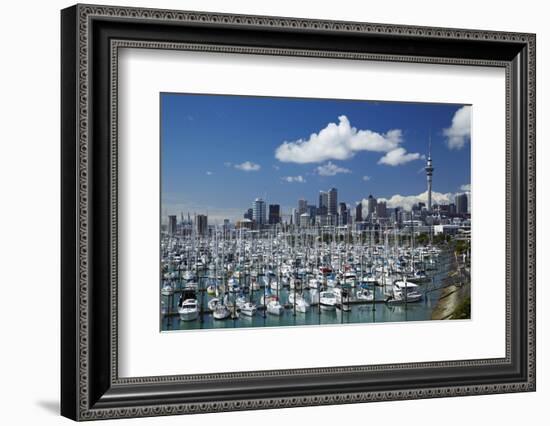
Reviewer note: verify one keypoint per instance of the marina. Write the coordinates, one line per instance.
(334, 219)
(317, 276)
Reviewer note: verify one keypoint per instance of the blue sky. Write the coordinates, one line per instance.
(218, 152)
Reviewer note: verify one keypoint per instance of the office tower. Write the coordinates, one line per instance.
(323, 203)
(274, 214)
(332, 201)
(302, 206)
(259, 211)
(343, 213)
(371, 205)
(305, 219)
(172, 225)
(295, 217)
(248, 214)
(359, 212)
(461, 202)
(381, 210)
(202, 224)
(312, 211)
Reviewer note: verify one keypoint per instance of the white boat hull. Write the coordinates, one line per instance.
(189, 315)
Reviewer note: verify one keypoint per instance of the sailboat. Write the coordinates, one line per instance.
(327, 300)
(274, 307)
(248, 309)
(300, 302)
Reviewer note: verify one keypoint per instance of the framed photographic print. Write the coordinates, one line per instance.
(263, 212)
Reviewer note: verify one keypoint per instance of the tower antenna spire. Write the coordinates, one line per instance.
(429, 171)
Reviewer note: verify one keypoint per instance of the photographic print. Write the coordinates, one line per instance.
(280, 212)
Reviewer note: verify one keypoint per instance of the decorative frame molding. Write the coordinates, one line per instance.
(91, 37)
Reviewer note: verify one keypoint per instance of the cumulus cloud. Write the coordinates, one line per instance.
(337, 142)
(407, 201)
(398, 156)
(331, 169)
(294, 179)
(466, 187)
(366, 178)
(248, 166)
(459, 133)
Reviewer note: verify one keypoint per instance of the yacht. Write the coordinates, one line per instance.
(299, 301)
(369, 280)
(417, 277)
(265, 299)
(404, 292)
(167, 290)
(248, 309)
(212, 303)
(314, 283)
(189, 310)
(221, 312)
(188, 276)
(327, 300)
(365, 295)
(274, 307)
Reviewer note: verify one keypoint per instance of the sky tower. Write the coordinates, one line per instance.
(429, 172)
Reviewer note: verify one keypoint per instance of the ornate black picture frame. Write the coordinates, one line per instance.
(91, 36)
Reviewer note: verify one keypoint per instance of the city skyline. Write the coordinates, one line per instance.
(219, 153)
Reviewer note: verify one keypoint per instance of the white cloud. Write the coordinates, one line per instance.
(407, 201)
(331, 169)
(337, 142)
(466, 187)
(366, 178)
(248, 166)
(398, 156)
(209, 173)
(294, 179)
(459, 132)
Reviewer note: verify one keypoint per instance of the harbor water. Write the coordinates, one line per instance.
(360, 311)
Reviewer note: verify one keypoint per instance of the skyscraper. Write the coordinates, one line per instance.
(343, 212)
(381, 209)
(274, 214)
(461, 201)
(302, 206)
(359, 212)
(332, 201)
(259, 212)
(323, 203)
(371, 205)
(172, 224)
(295, 217)
(429, 172)
(202, 224)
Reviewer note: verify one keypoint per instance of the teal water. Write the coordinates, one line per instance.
(364, 313)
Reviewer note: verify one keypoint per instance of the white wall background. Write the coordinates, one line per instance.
(29, 210)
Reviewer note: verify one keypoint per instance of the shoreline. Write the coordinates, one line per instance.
(454, 294)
